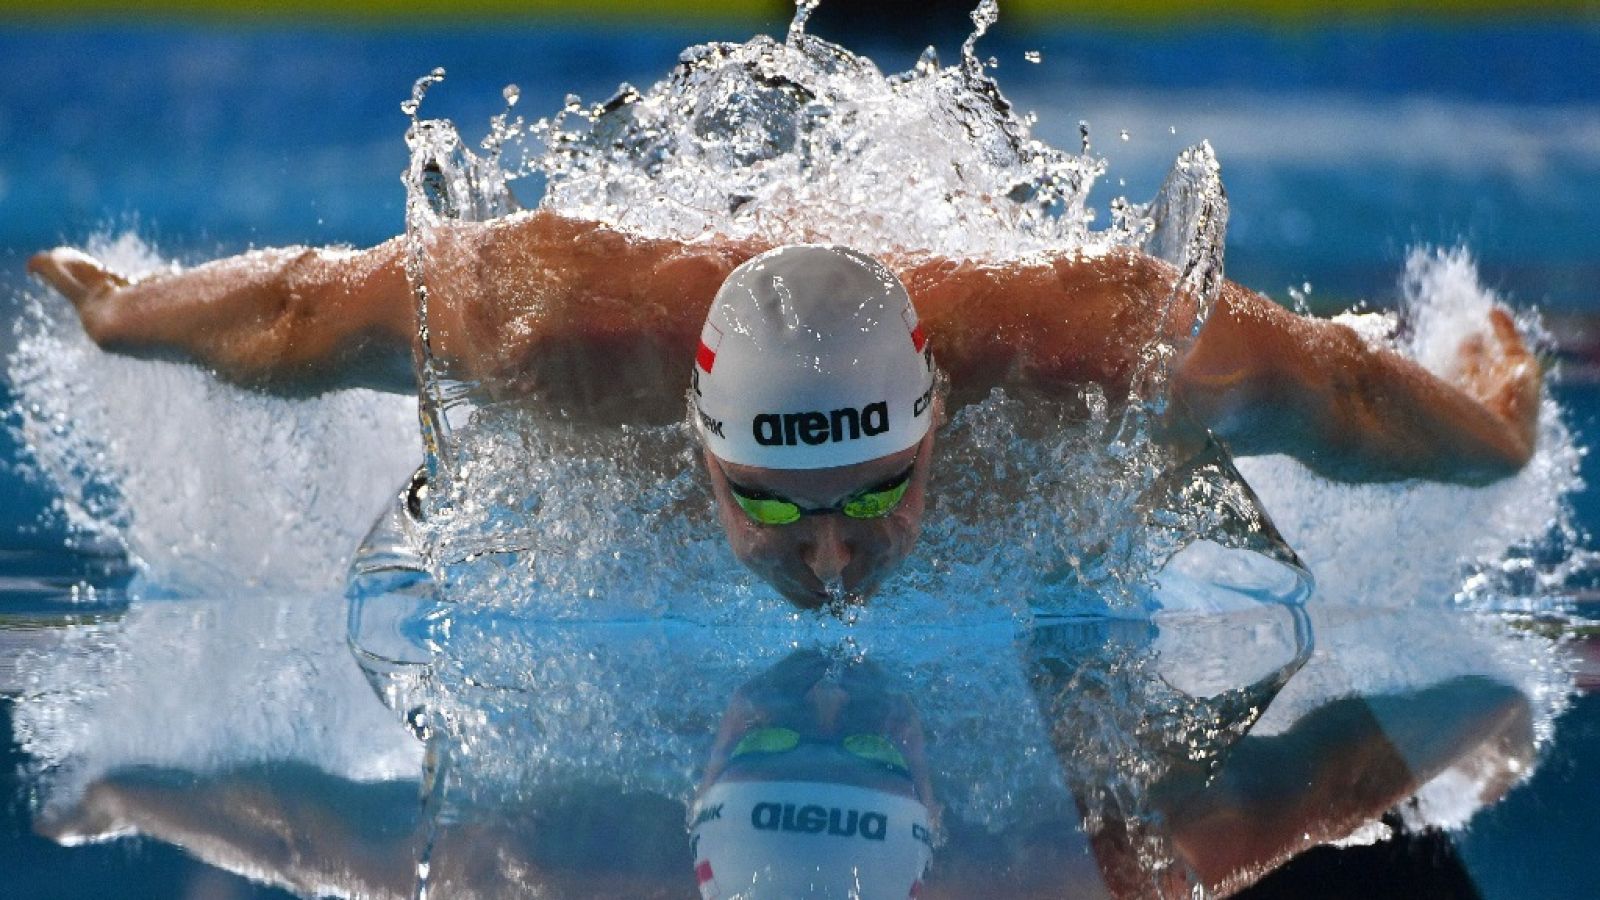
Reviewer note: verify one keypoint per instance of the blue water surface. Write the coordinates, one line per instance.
(208, 140)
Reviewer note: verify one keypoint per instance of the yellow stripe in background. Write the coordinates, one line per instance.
(1032, 12)
(394, 10)
(1287, 11)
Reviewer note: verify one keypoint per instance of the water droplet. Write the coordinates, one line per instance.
(512, 93)
(1123, 134)
(1172, 129)
(1032, 56)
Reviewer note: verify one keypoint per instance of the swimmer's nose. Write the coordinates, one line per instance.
(826, 700)
(828, 553)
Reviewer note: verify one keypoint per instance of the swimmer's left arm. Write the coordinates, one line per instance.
(1268, 381)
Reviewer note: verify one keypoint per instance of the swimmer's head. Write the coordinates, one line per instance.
(813, 392)
(812, 358)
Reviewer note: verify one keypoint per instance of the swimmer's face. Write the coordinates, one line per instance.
(804, 558)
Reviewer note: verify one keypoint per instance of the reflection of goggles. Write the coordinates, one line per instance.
(874, 748)
(870, 503)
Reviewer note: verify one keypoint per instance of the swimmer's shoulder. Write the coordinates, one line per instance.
(1046, 321)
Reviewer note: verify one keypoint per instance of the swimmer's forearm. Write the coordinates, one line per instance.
(1267, 381)
(285, 319)
(536, 304)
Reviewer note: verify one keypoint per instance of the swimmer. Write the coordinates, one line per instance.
(604, 326)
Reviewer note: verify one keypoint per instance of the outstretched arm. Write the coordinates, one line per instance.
(601, 324)
(1262, 378)
(598, 323)
(1269, 381)
(288, 319)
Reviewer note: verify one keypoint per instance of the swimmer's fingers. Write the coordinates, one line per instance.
(1505, 332)
(1498, 369)
(76, 275)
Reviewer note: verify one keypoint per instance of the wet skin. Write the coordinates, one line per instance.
(802, 559)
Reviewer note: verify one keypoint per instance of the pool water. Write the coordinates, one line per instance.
(173, 656)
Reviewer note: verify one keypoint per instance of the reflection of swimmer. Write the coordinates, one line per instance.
(816, 787)
(813, 735)
(819, 488)
(1175, 802)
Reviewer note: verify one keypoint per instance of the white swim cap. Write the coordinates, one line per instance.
(754, 840)
(812, 357)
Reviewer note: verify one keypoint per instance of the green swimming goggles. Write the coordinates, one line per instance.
(874, 748)
(870, 503)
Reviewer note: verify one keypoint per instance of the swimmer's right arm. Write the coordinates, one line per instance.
(289, 319)
(597, 322)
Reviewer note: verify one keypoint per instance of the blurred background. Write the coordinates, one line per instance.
(1349, 132)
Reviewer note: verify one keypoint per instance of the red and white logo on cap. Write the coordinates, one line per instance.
(710, 339)
(708, 882)
(914, 325)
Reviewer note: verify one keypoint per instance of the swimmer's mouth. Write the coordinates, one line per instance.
(833, 595)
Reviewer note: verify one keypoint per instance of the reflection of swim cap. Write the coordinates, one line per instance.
(785, 839)
(812, 357)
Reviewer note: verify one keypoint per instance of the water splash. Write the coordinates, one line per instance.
(609, 161)
(983, 16)
(802, 13)
(1032, 516)
(205, 487)
(785, 141)
(792, 141)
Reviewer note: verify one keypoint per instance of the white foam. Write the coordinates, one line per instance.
(209, 488)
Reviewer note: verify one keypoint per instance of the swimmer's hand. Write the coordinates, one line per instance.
(79, 277)
(1496, 369)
